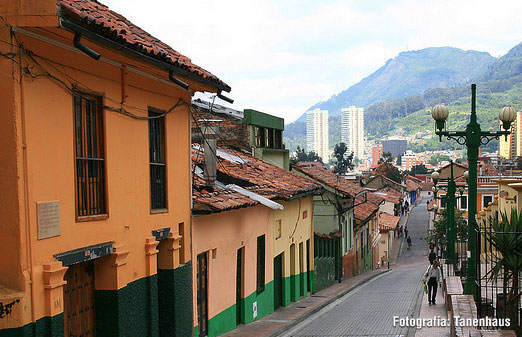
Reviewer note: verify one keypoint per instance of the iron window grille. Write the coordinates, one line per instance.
(90, 157)
(158, 186)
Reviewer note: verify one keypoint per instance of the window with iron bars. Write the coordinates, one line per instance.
(158, 183)
(90, 156)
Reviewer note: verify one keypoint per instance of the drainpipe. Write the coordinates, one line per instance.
(210, 134)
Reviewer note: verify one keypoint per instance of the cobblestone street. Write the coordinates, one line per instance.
(369, 309)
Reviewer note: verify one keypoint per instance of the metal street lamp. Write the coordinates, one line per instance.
(450, 207)
(472, 137)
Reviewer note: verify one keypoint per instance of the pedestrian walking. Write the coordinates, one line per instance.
(400, 231)
(432, 257)
(433, 277)
(406, 231)
(408, 240)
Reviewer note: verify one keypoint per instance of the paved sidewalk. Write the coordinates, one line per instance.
(287, 317)
(433, 311)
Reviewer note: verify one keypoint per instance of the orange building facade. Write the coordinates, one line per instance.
(95, 172)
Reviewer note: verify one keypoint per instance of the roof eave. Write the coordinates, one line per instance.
(68, 24)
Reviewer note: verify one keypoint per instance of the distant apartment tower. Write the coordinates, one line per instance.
(512, 147)
(408, 160)
(317, 132)
(376, 155)
(352, 130)
(395, 146)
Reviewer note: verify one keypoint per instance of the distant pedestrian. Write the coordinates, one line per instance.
(432, 246)
(432, 256)
(401, 230)
(406, 231)
(408, 240)
(433, 277)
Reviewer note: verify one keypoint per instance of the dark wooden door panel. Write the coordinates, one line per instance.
(78, 301)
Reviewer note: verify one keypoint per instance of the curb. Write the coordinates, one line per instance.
(332, 299)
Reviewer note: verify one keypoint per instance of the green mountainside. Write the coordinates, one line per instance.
(499, 84)
(410, 73)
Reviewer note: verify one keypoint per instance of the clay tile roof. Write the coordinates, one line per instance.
(388, 221)
(99, 19)
(389, 197)
(413, 178)
(392, 192)
(317, 171)
(375, 198)
(426, 186)
(412, 185)
(252, 174)
(364, 211)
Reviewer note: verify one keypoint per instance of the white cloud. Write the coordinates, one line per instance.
(283, 56)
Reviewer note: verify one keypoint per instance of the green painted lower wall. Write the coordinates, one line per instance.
(312, 282)
(324, 272)
(222, 322)
(182, 290)
(287, 297)
(136, 309)
(130, 311)
(226, 320)
(44, 327)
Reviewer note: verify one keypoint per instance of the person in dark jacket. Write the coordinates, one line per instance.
(432, 256)
(408, 240)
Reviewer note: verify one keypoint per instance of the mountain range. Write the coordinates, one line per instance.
(412, 81)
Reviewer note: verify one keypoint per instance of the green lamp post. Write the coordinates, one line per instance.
(472, 137)
(450, 198)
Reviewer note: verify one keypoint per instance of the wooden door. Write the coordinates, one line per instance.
(278, 281)
(78, 300)
(202, 296)
(239, 284)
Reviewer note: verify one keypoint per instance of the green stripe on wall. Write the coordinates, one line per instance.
(44, 327)
(226, 319)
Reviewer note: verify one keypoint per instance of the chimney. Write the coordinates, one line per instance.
(210, 135)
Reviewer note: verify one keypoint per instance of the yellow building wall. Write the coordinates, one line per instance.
(296, 227)
(36, 129)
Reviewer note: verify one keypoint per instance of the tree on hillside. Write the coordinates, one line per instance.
(437, 158)
(387, 169)
(343, 161)
(302, 155)
(418, 169)
(386, 158)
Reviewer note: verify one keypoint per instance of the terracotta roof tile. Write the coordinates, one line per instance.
(412, 185)
(99, 19)
(364, 211)
(252, 174)
(388, 221)
(318, 172)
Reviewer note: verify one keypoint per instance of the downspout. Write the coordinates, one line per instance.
(26, 196)
(78, 44)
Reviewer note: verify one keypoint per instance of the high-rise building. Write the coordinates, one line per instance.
(395, 146)
(352, 130)
(317, 132)
(512, 147)
(408, 160)
(376, 154)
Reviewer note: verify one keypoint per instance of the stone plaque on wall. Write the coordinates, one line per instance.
(48, 217)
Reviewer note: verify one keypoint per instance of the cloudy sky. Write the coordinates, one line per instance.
(282, 56)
